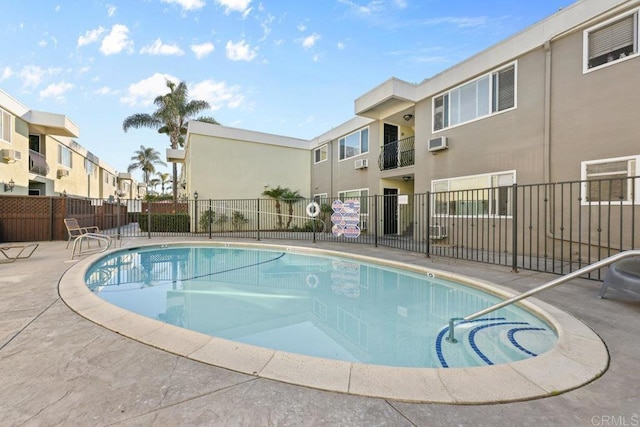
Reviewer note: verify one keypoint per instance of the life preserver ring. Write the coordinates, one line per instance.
(312, 281)
(313, 209)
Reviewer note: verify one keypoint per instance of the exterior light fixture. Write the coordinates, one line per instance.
(10, 186)
(407, 117)
(406, 178)
(195, 195)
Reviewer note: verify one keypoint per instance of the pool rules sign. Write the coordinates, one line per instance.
(345, 218)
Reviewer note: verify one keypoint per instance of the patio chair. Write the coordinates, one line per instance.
(16, 251)
(74, 230)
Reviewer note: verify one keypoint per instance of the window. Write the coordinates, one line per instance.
(321, 198)
(90, 167)
(362, 195)
(5, 126)
(34, 143)
(608, 180)
(320, 154)
(611, 41)
(354, 144)
(489, 94)
(64, 156)
(484, 195)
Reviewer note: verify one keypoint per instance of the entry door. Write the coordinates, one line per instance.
(390, 207)
(390, 147)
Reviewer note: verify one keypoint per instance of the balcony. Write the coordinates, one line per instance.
(38, 163)
(397, 154)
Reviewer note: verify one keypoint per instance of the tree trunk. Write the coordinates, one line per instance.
(175, 180)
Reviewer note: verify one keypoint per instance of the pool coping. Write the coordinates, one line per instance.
(578, 357)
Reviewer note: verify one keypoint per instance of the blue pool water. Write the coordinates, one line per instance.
(317, 305)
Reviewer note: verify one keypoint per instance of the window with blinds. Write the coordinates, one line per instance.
(5, 126)
(489, 94)
(613, 41)
(610, 180)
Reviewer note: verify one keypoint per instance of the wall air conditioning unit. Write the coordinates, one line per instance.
(63, 173)
(361, 164)
(437, 144)
(10, 155)
(437, 232)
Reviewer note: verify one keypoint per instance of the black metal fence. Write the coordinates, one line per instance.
(556, 228)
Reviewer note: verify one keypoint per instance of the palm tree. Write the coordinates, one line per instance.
(146, 159)
(290, 198)
(164, 180)
(276, 194)
(171, 117)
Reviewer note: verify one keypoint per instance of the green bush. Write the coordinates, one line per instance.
(171, 223)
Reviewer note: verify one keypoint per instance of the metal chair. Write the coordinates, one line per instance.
(23, 252)
(74, 230)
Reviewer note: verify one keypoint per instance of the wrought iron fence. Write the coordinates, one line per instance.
(557, 228)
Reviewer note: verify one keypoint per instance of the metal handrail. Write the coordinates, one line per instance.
(595, 266)
(101, 238)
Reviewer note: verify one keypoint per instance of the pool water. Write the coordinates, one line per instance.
(317, 305)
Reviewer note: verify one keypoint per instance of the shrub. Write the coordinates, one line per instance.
(170, 223)
(238, 220)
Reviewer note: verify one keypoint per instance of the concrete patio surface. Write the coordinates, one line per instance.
(58, 368)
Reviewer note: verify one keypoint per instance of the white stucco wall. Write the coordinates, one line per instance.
(227, 163)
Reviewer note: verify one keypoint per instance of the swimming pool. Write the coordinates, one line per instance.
(577, 358)
(318, 305)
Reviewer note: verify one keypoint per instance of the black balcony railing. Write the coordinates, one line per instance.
(38, 163)
(397, 154)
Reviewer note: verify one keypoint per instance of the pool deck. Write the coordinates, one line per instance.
(58, 368)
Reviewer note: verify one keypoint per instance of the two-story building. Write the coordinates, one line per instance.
(557, 101)
(40, 156)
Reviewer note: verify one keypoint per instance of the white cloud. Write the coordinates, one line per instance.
(90, 36)
(217, 94)
(105, 90)
(32, 75)
(117, 40)
(401, 4)
(42, 43)
(158, 48)
(145, 91)
(187, 4)
(309, 41)
(462, 22)
(341, 45)
(240, 51)
(371, 8)
(241, 6)
(56, 90)
(266, 27)
(301, 27)
(6, 73)
(202, 50)
(111, 10)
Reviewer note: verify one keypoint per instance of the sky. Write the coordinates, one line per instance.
(291, 68)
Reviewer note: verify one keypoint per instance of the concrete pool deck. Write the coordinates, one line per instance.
(59, 368)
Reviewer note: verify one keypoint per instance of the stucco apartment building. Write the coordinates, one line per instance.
(558, 101)
(41, 157)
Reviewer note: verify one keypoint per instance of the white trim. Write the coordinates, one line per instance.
(585, 41)
(489, 187)
(491, 113)
(361, 152)
(630, 173)
(326, 150)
